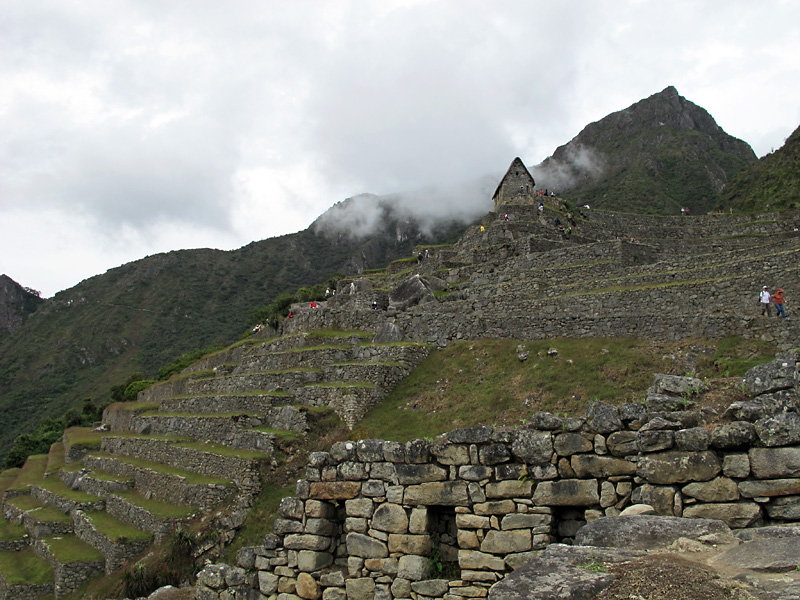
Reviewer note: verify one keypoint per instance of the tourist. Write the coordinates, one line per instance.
(505, 217)
(764, 299)
(313, 304)
(777, 298)
(374, 305)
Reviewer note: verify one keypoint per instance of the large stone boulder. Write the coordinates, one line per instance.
(410, 292)
(771, 377)
(562, 572)
(645, 532)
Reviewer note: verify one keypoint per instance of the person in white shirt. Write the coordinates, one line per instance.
(764, 298)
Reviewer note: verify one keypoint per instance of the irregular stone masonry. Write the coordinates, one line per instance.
(69, 576)
(372, 517)
(159, 527)
(116, 553)
(243, 472)
(24, 591)
(162, 486)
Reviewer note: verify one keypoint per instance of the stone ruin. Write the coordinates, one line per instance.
(451, 517)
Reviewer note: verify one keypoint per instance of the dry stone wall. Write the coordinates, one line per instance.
(448, 518)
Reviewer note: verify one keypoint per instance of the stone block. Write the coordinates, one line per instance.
(470, 435)
(334, 593)
(481, 561)
(305, 541)
(467, 539)
(446, 493)
(387, 566)
(369, 450)
(769, 488)
(319, 510)
(417, 451)
(358, 524)
(384, 471)
(321, 527)
(511, 488)
(310, 561)
(532, 446)
(494, 454)
(418, 522)
(474, 472)
(525, 521)
(359, 507)
(588, 465)
(660, 498)
(622, 443)
(307, 587)
(364, 546)
(735, 516)
(394, 452)
(291, 508)
(362, 588)
(267, 583)
(373, 488)
(435, 588)
(413, 568)
(450, 454)
(567, 444)
(694, 439)
(655, 440)
(497, 507)
(775, 463)
(416, 474)
(567, 492)
(351, 471)
(736, 465)
(401, 588)
(603, 418)
(779, 430)
(719, 489)
(391, 518)
(334, 490)
(678, 467)
(506, 542)
(467, 521)
(410, 544)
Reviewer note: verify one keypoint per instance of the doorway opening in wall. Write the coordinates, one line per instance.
(444, 542)
(568, 520)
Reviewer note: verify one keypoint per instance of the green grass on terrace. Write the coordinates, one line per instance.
(25, 567)
(109, 477)
(55, 459)
(254, 393)
(9, 532)
(343, 384)
(25, 502)
(83, 437)
(69, 549)
(162, 510)
(49, 514)
(31, 472)
(283, 434)
(7, 478)
(337, 333)
(482, 382)
(188, 476)
(643, 286)
(59, 488)
(114, 529)
(222, 450)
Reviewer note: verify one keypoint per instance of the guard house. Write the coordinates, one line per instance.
(516, 182)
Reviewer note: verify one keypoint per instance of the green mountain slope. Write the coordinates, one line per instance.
(772, 183)
(141, 315)
(657, 156)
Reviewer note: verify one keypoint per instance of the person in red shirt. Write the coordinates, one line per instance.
(777, 298)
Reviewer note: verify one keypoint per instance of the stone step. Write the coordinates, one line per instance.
(235, 430)
(77, 441)
(57, 494)
(39, 519)
(256, 402)
(97, 482)
(310, 357)
(161, 481)
(209, 459)
(72, 560)
(242, 382)
(25, 574)
(13, 536)
(150, 515)
(116, 540)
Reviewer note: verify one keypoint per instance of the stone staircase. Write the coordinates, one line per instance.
(188, 447)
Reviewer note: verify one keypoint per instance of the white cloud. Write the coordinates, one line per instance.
(137, 126)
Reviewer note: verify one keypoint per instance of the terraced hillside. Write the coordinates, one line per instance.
(613, 275)
(188, 447)
(192, 447)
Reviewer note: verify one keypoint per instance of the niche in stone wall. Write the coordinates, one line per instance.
(444, 542)
(567, 521)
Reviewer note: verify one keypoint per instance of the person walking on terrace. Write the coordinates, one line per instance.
(777, 298)
(764, 297)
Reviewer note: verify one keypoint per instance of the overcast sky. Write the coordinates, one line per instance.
(129, 128)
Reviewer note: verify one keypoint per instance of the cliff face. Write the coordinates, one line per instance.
(16, 303)
(657, 156)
